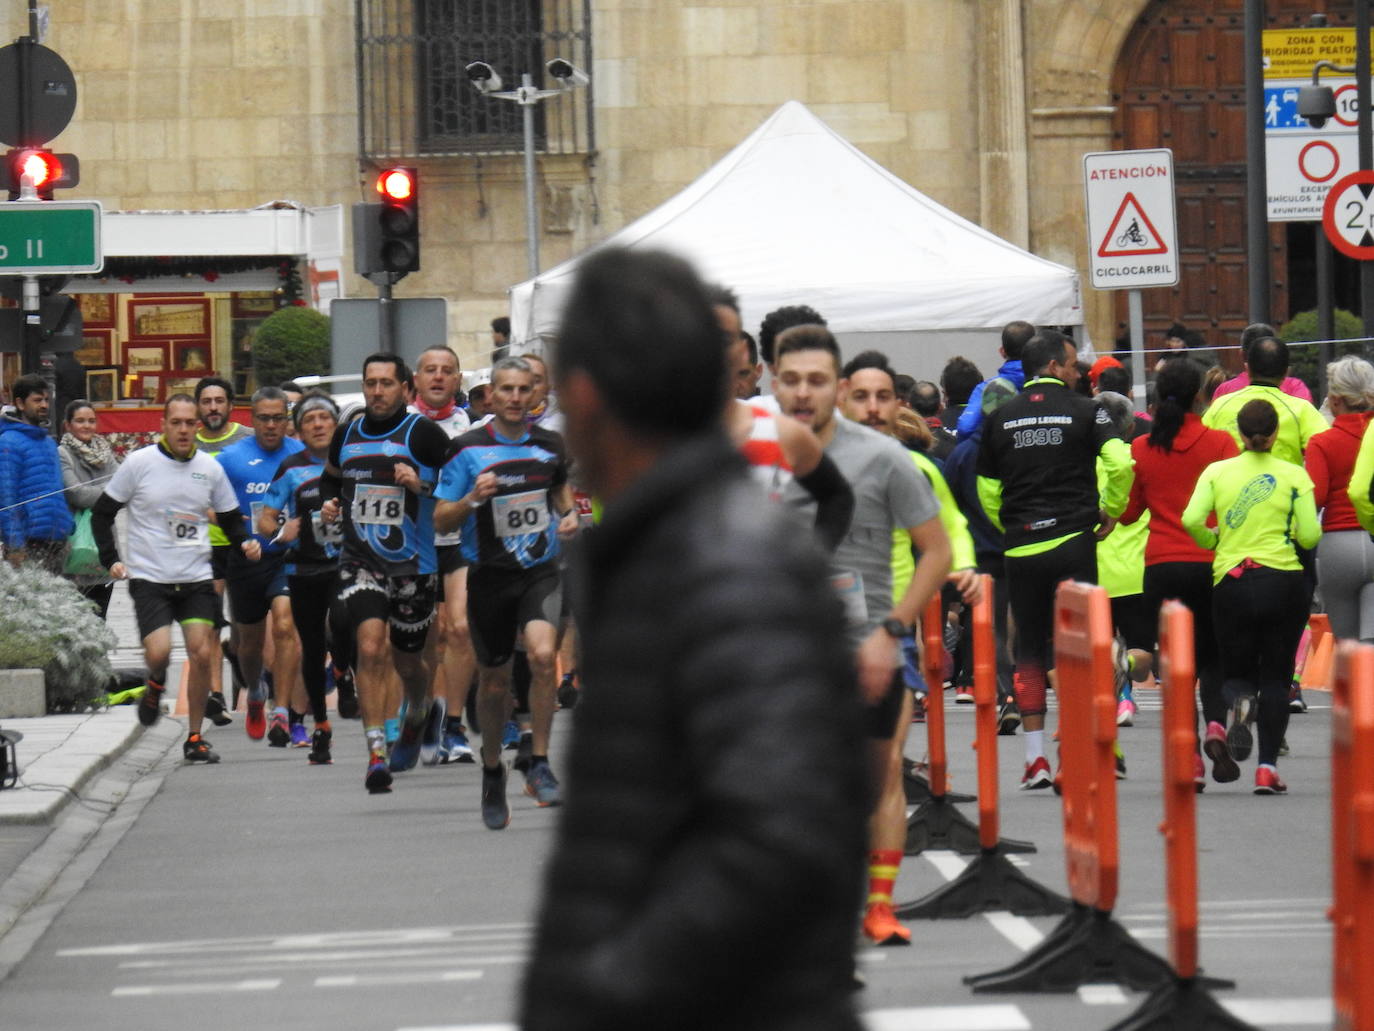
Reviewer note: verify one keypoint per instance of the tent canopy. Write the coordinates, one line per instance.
(795, 214)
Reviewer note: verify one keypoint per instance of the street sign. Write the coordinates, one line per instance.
(49, 88)
(1291, 53)
(1132, 228)
(39, 237)
(355, 329)
(1348, 216)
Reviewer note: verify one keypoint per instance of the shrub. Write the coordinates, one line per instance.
(291, 342)
(46, 624)
(1303, 326)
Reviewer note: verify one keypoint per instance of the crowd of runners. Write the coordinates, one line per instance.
(408, 555)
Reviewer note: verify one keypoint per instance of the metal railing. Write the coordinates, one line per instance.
(414, 99)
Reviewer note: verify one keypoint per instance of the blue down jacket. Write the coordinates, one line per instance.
(29, 469)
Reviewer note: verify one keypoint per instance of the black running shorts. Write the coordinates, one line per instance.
(252, 586)
(405, 603)
(160, 605)
(501, 602)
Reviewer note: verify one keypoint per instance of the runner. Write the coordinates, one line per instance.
(889, 494)
(291, 511)
(169, 488)
(257, 590)
(437, 379)
(506, 484)
(1263, 507)
(378, 478)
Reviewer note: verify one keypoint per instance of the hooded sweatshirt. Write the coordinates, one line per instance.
(31, 492)
(1330, 459)
(1164, 482)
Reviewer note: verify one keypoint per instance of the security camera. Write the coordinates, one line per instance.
(483, 77)
(567, 73)
(1316, 104)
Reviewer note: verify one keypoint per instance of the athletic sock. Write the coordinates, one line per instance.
(376, 740)
(280, 710)
(453, 724)
(322, 725)
(537, 759)
(1035, 745)
(883, 865)
(296, 717)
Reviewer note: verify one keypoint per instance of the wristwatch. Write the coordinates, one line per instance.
(896, 628)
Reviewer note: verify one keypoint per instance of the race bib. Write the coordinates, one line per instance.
(188, 529)
(377, 505)
(850, 587)
(515, 515)
(328, 535)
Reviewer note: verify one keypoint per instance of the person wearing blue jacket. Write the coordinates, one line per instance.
(1015, 336)
(35, 521)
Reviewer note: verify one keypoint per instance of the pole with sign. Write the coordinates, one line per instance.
(1132, 232)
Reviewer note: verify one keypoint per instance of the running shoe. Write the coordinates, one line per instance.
(510, 735)
(1037, 775)
(1224, 768)
(300, 737)
(524, 751)
(1199, 774)
(1125, 713)
(405, 753)
(963, 694)
(918, 707)
(882, 927)
(150, 705)
(456, 747)
(378, 779)
(1008, 718)
(432, 739)
(1120, 760)
(217, 710)
(278, 730)
(542, 786)
(1296, 702)
(1267, 782)
(195, 749)
(346, 695)
(495, 811)
(320, 742)
(567, 692)
(1238, 736)
(256, 723)
(1283, 746)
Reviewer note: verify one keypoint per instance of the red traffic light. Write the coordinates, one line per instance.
(47, 171)
(41, 166)
(396, 184)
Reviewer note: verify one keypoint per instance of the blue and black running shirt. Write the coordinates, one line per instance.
(518, 527)
(385, 526)
(296, 492)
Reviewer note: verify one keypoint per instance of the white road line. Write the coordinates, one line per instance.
(219, 968)
(1102, 995)
(998, 1017)
(1016, 929)
(212, 988)
(373, 939)
(379, 980)
(1289, 931)
(1275, 1012)
(451, 951)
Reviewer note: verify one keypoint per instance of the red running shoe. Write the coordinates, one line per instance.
(1037, 775)
(256, 723)
(1267, 782)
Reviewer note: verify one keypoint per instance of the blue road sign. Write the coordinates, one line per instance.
(1281, 109)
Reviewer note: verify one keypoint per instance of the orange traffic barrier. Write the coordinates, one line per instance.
(1087, 946)
(1352, 835)
(1316, 671)
(990, 882)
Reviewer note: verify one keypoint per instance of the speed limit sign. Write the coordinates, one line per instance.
(1348, 215)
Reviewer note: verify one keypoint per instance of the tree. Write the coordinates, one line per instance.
(1304, 357)
(291, 342)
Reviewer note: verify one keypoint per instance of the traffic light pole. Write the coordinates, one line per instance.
(386, 330)
(529, 96)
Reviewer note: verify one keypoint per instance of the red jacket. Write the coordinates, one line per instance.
(1330, 459)
(1164, 482)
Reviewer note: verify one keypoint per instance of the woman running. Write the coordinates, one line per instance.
(1263, 508)
(1168, 464)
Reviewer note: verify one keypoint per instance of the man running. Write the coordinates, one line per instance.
(506, 484)
(257, 590)
(379, 477)
(889, 494)
(437, 379)
(170, 488)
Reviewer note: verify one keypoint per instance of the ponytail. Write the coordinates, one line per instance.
(1175, 392)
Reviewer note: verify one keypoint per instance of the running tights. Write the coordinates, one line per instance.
(1031, 583)
(1191, 583)
(310, 600)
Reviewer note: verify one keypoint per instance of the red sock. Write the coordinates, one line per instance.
(883, 865)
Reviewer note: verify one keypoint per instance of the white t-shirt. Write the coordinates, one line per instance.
(168, 504)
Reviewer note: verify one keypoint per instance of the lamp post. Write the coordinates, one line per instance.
(485, 80)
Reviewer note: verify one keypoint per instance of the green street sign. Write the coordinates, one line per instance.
(38, 237)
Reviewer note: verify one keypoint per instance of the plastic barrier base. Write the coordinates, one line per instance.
(1087, 947)
(1181, 1002)
(917, 788)
(937, 824)
(991, 882)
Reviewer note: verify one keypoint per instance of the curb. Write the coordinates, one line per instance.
(43, 812)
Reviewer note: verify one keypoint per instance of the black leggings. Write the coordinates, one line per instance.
(1259, 617)
(963, 659)
(311, 599)
(1031, 583)
(1190, 583)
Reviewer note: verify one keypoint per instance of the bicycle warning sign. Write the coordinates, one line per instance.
(1132, 228)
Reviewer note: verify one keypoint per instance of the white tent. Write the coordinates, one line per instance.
(797, 215)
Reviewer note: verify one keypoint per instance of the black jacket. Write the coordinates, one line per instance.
(708, 864)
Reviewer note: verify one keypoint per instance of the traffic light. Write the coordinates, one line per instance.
(49, 171)
(386, 235)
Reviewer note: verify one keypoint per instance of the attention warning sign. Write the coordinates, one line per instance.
(1132, 229)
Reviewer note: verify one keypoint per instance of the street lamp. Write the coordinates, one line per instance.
(485, 81)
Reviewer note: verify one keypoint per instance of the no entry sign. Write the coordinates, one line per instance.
(1348, 215)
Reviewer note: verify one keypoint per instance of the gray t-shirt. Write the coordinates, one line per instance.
(889, 494)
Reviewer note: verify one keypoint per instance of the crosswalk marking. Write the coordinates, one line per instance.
(207, 988)
(384, 980)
